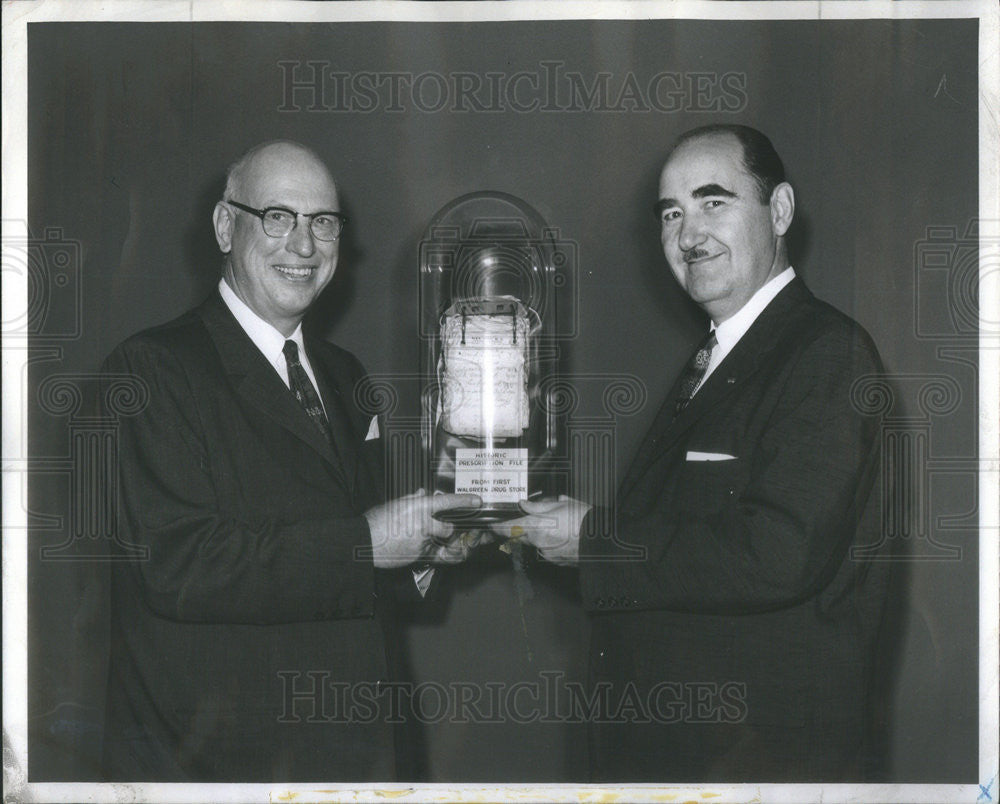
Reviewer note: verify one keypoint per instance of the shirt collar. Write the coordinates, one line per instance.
(729, 332)
(266, 338)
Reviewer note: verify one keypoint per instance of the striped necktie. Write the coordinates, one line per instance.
(694, 373)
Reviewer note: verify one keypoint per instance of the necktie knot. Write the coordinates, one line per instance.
(291, 352)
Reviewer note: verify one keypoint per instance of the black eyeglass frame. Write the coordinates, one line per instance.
(260, 213)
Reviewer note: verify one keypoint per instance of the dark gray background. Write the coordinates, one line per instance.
(131, 127)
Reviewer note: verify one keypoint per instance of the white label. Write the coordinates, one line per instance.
(496, 475)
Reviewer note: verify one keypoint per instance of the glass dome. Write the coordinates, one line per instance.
(488, 245)
(489, 270)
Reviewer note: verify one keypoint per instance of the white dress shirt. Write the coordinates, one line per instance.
(266, 338)
(729, 332)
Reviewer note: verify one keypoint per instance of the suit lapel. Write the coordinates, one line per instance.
(256, 381)
(651, 444)
(739, 365)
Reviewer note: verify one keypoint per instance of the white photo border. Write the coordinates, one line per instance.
(17, 15)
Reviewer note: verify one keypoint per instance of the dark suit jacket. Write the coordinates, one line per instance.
(258, 609)
(725, 598)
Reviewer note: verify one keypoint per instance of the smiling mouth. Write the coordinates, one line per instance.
(295, 271)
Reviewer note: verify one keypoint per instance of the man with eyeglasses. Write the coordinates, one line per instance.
(254, 640)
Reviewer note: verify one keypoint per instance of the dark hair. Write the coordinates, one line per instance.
(759, 157)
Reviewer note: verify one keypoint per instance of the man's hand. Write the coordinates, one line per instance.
(458, 547)
(552, 527)
(403, 530)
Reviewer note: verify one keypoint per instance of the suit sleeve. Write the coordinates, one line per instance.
(206, 565)
(766, 542)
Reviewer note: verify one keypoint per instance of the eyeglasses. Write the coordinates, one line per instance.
(279, 221)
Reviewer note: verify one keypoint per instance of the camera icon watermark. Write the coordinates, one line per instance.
(49, 268)
(955, 269)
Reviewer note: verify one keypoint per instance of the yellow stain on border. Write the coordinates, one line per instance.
(611, 797)
(598, 796)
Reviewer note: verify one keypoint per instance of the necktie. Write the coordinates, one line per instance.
(694, 373)
(304, 391)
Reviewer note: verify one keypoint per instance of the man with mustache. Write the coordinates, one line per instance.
(734, 625)
(254, 641)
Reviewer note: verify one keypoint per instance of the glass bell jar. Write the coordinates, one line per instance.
(491, 272)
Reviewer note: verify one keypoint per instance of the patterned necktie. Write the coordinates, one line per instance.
(304, 391)
(694, 373)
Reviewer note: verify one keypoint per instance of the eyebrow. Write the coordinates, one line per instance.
(279, 205)
(662, 204)
(705, 191)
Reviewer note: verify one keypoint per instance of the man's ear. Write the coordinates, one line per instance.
(223, 220)
(782, 208)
